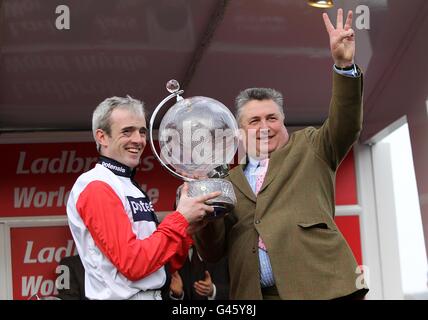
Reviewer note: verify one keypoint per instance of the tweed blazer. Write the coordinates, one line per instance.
(294, 212)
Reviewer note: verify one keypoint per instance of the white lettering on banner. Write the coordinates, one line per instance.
(48, 254)
(66, 163)
(153, 193)
(29, 197)
(32, 285)
(28, 250)
(147, 163)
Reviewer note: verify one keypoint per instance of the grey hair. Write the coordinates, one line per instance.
(102, 113)
(249, 94)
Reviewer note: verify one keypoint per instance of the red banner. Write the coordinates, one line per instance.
(36, 252)
(346, 182)
(37, 178)
(350, 228)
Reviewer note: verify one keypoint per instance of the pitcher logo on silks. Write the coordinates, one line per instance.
(142, 209)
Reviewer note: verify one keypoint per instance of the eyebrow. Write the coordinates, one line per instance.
(272, 114)
(132, 128)
(253, 118)
(258, 117)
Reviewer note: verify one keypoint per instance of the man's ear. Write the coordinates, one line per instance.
(101, 137)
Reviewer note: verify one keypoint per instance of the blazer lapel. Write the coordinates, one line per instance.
(239, 180)
(274, 164)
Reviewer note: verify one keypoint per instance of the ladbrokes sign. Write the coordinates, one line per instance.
(37, 178)
(36, 181)
(35, 254)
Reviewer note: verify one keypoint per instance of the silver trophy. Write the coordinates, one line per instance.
(198, 138)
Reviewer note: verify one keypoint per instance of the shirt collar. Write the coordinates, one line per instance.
(252, 163)
(116, 167)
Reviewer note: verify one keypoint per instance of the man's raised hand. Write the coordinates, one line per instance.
(342, 39)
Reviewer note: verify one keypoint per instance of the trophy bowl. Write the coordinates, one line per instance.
(198, 138)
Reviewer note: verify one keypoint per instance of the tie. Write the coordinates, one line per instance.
(259, 182)
(263, 165)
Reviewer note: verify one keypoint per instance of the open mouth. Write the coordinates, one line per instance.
(265, 138)
(133, 150)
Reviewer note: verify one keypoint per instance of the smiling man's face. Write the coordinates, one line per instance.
(264, 129)
(127, 138)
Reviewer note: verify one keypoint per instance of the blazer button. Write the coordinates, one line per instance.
(254, 250)
(257, 221)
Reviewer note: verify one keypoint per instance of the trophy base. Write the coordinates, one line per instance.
(222, 204)
(220, 210)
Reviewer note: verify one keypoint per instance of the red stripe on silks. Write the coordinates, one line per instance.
(103, 213)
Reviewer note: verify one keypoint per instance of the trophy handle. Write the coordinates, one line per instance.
(152, 145)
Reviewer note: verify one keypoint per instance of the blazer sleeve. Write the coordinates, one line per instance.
(344, 123)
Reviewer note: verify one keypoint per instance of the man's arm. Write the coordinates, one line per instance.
(103, 213)
(334, 139)
(176, 289)
(343, 126)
